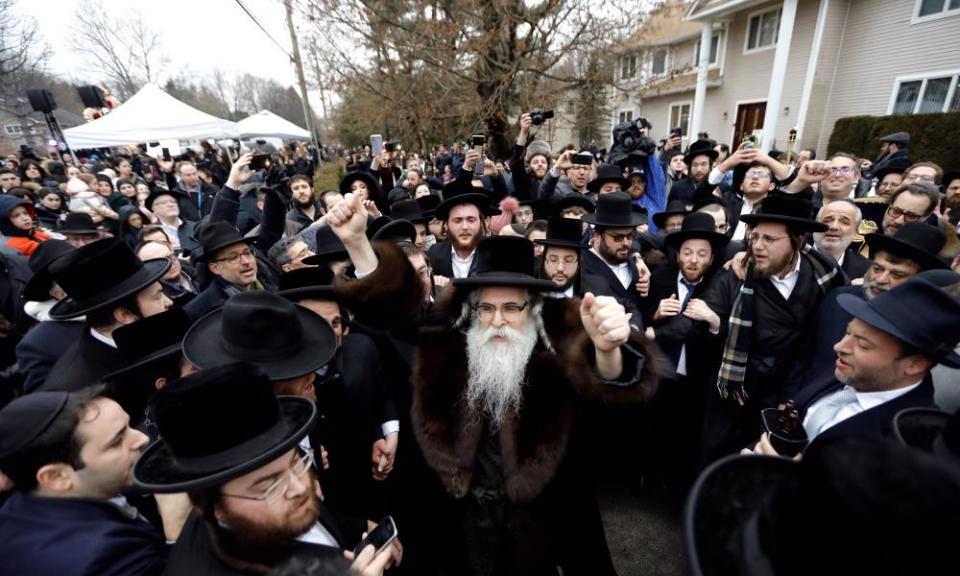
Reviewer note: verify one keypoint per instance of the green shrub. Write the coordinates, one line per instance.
(933, 137)
(328, 176)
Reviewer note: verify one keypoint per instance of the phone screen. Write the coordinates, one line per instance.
(380, 537)
(376, 144)
(582, 159)
(166, 153)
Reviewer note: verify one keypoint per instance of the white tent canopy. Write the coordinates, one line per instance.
(149, 115)
(267, 124)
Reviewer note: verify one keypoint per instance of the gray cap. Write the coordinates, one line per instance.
(898, 138)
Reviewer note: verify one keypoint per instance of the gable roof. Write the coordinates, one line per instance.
(666, 25)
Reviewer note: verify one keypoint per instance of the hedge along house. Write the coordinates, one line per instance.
(774, 66)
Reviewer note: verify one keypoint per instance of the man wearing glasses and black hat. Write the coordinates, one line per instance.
(231, 260)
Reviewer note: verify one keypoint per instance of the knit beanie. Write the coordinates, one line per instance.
(537, 147)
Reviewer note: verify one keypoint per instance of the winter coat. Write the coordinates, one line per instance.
(15, 240)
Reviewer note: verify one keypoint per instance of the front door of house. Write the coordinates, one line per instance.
(749, 118)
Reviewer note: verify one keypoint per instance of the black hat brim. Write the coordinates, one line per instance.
(860, 308)
(571, 244)
(328, 293)
(203, 346)
(208, 252)
(676, 239)
(595, 184)
(515, 280)
(660, 217)
(882, 243)
(397, 229)
(78, 231)
(352, 177)
(804, 224)
(481, 201)
(324, 258)
(160, 471)
(635, 220)
(144, 363)
(689, 156)
(151, 272)
(575, 200)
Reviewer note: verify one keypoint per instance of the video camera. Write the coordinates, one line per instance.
(630, 145)
(540, 115)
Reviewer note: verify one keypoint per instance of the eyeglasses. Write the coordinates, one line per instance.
(510, 311)
(234, 258)
(621, 237)
(567, 261)
(843, 171)
(758, 174)
(765, 239)
(908, 216)
(165, 203)
(278, 487)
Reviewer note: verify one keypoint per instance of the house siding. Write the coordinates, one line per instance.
(831, 43)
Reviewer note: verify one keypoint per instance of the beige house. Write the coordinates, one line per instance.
(777, 66)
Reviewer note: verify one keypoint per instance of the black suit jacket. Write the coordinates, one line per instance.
(441, 259)
(83, 364)
(42, 346)
(598, 278)
(854, 265)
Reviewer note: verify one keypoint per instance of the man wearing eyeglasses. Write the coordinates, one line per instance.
(913, 202)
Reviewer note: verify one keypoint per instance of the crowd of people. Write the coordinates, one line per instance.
(211, 367)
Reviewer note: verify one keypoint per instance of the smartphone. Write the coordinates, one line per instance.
(582, 160)
(751, 140)
(677, 132)
(260, 162)
(166, 154)
(380, 537)
(376, 144)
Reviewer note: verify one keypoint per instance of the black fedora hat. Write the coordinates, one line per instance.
(79, 223)
(329, 248)
(782, 209)
(930, 430)
(576, 199)
(218, 235)
(26, 418)
(409, 210)
(917, 241)
(387, 228)
(916, 312)
(428, 204)
(505, 261)
(266, 329)
(674, 208)
(949, 177)
(697, 225)
(158, 192)
(456, 193)
(99, 274)
(564, 233)
(608, 173)
(362, 175)
(309, 282)
(218, 424)
(37, 288)
(700, 148)
(614, 211)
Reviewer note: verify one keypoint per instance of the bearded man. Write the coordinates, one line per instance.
(306, 210)
(498, 386)
(560, 260)
(463, 213)
(842, 218)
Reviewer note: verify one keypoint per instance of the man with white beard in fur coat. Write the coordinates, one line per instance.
(498, 384)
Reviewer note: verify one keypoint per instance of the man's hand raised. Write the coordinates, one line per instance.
(348, 219)
(605, 321)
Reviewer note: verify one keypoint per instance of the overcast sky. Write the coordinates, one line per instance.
(197, 35)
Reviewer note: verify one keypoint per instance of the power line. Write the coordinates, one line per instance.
(259, 25)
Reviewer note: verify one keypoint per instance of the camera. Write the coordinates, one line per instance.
(630, 146)
(540, 115)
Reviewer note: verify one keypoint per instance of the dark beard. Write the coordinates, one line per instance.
(303, 205)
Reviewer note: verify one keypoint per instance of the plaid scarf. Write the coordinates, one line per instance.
(733, 367)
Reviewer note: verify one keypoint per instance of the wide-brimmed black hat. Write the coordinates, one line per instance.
(614, 211)
(700, 148)
(674, 208)
(762, 515)
(310, 282)
(796, 213)
(916, 312)
(329, 248)
(576, 199)
(99, 274)
(387, 228)
(899, 138)
(216, 236)
(428, 204)
(79, 223)
(505, 261)
(218, 424)
(697, 225)
(26, 418)
(608, 173)
(564, 233)
(456, 193)
(366, 177)
(948, 177)
(917, 241)
(158, 192)
(37, 288)
(266, 329)
(409, 210)
(147, 346)
(930, 430)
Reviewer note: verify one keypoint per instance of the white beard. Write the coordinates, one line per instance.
(497, 369)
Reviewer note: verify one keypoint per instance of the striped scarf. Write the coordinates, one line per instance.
(733, 367)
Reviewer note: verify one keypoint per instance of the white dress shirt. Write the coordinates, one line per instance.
(786, 284)
(108, 340)
(621, 271)
(681, 294)
(461, 266)
(836, 407)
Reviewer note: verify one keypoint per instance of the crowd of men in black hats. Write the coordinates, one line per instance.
(215, 369)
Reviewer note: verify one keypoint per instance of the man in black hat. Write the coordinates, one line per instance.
(463, 212)
(107, 283)
(411, 211)
(766, 321)
(894, 260)
(671, 219)
(607, 267)
(699, 160)
(609, 179)
(560, 261)
(70, 455)
(78, 229)
(253, 487)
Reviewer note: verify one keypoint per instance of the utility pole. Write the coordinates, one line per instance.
(307, 113)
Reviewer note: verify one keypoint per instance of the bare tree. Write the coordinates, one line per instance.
(125, 50)
(21, 51)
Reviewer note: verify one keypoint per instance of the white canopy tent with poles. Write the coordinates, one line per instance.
(150, 115)
(266, 124)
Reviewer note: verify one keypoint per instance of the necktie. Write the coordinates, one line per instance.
(688, 295)
(826, 412)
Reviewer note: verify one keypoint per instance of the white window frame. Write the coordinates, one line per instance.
(624, 116)
(746, 32)
(628, 72)
(916, 18)
(666, 61)
(677, 104)
(696, 50)
(13, 130)
(955, 73)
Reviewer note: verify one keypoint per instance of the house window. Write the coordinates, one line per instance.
(659, 62)
(936, 8)
(931, 95)
(628, 67)
(680, 116)
(763, 28)
(626, 116)
(13, 130)
(714, 50)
